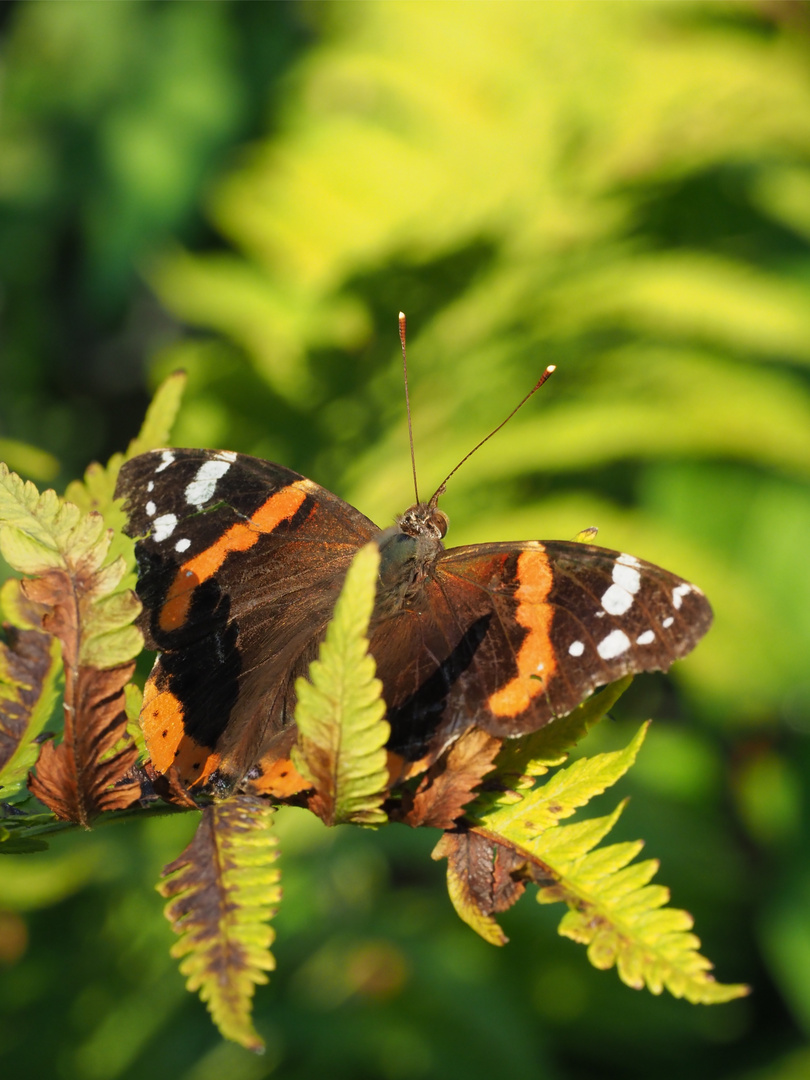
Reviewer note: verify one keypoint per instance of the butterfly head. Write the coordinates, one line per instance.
(424, 519)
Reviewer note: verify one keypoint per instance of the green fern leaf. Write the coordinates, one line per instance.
(613, 908)
(46, 536)
(34, 528)
(87, 606)
(28, 459)
(623, 921)
(160, 416)
(222, 892)
(523, 759)
(341, 730)
(561, 796)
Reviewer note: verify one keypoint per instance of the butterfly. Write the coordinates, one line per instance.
(240, 565)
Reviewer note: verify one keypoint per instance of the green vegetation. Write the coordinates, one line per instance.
(251, 192)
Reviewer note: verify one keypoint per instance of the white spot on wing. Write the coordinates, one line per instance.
(226, 455)
(626, 575)
(182, 545)
(647, 638)
(576, 648)
(163, 527)
(679, 592)
(150, 508)
(167, 457)
(668, 621)
(617, 600)
(626, 582)
(613, 645)
(628, 560)
(202, 487)
(150, 486)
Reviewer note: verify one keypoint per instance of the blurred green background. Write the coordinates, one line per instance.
(252, 191)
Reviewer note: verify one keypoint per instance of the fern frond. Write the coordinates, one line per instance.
(613, 908)
(86, 605)
(222, 892)
(566, 791)
(341, 730)
(623, 920)
(46, 536)
(534, 754)
(470, 879)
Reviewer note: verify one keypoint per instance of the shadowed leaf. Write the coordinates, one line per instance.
(222, 892)
(449, 785)
(14, 842)
(29, 669)
(341, 730)
(471, 881)
(85, 774)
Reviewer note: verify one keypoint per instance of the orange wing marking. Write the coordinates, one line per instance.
(166, 739)
(279, 778)
(535, 660)
(162, 724)
(279, 507)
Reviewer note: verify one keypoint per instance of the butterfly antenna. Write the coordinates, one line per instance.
(441, 488)
(407, 399)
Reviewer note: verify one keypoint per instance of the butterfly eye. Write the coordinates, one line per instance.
(440, 522)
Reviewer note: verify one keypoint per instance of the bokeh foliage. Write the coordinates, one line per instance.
(252, 192)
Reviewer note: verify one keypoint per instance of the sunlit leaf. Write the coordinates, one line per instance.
(341, 730)
(222, 892)
(613, 909)
(85, 606)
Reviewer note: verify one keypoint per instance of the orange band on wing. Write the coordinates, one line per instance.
(535, 660)
(279, 507)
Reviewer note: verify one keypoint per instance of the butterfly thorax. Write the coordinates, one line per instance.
(408, 552)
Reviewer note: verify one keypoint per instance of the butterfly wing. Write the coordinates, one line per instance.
(240, 564)
(510, 636)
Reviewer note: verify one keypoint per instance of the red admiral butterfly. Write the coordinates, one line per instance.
(241, 562)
